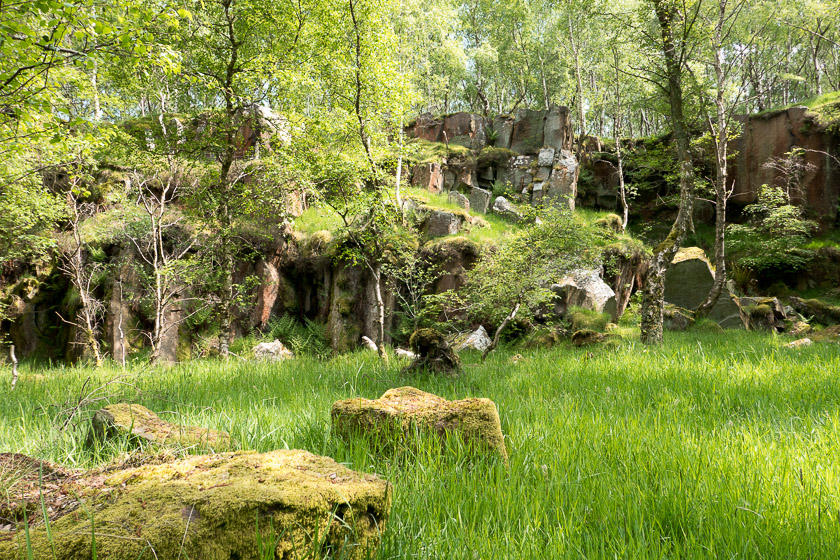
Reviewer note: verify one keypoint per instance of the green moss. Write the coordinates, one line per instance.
(586, 337)
(588, 319)
(611, 222)
(497, 157)
(141, 424)
(402, 410)
(215, 506)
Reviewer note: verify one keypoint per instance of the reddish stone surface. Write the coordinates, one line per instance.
(766, 137)
(428, 176)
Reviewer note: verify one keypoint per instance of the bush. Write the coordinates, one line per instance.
(587, 319)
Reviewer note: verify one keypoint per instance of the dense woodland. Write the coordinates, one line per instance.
(189, 139)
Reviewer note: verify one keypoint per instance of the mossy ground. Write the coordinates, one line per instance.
(711, 445)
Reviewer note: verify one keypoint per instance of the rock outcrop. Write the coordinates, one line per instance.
(773, 135)
(211, 507)
(530, 155)
(141, 424)
(399, 412)
(586, 289)
(689, 280)
(476, 340)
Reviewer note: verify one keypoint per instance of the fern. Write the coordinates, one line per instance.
(307, 338)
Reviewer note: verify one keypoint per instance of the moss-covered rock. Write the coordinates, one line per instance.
(141, 424)
(676, 318)
(819, 311)
(216, 507)
(395, 415)
(761, 318)
(433, 352)
(586, 337)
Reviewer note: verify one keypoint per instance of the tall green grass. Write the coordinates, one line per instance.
(710, 446)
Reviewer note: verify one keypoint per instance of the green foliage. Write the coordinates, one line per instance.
(774, 237)
(304, 339)
(587, 319)
(520, 269)
(651, 167)
(28, 215)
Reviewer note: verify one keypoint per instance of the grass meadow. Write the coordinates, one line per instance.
(709, 446)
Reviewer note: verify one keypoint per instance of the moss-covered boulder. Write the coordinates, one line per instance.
(689, 280)
(141, 424)
(400, 413)
(433, 353)
(676, 318)
(215, 507)
(586, 337)
(819, 311)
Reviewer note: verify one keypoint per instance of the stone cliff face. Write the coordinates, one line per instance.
(771, 136)
(528, 155)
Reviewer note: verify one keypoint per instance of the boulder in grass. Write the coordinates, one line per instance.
(403, 353)
(587, 337)
(584, 288)
(689, 280)
(211, 507)
(369, 344)
(504, 208)
(272, 351)
(406, 409)
(141, 424)
(476, 340)
(433, 353)
(801, 343)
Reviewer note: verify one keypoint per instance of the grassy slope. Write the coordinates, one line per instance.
(709, 446)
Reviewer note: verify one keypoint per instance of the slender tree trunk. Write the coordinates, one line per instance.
(720, 134)
(617, 129)
(496, 337)
(120, 328)
(14, 366)
(653, 300)
(376, 270)
(226, 256)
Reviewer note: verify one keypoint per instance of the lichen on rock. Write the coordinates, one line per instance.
(400, 413)
(140, 423)
(216, 507)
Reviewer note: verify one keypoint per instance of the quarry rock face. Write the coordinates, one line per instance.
(136, 421)
(773, 135)
(406, 409)
(207, 506)
(526, 132)
(688, 282)
(428, 176)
